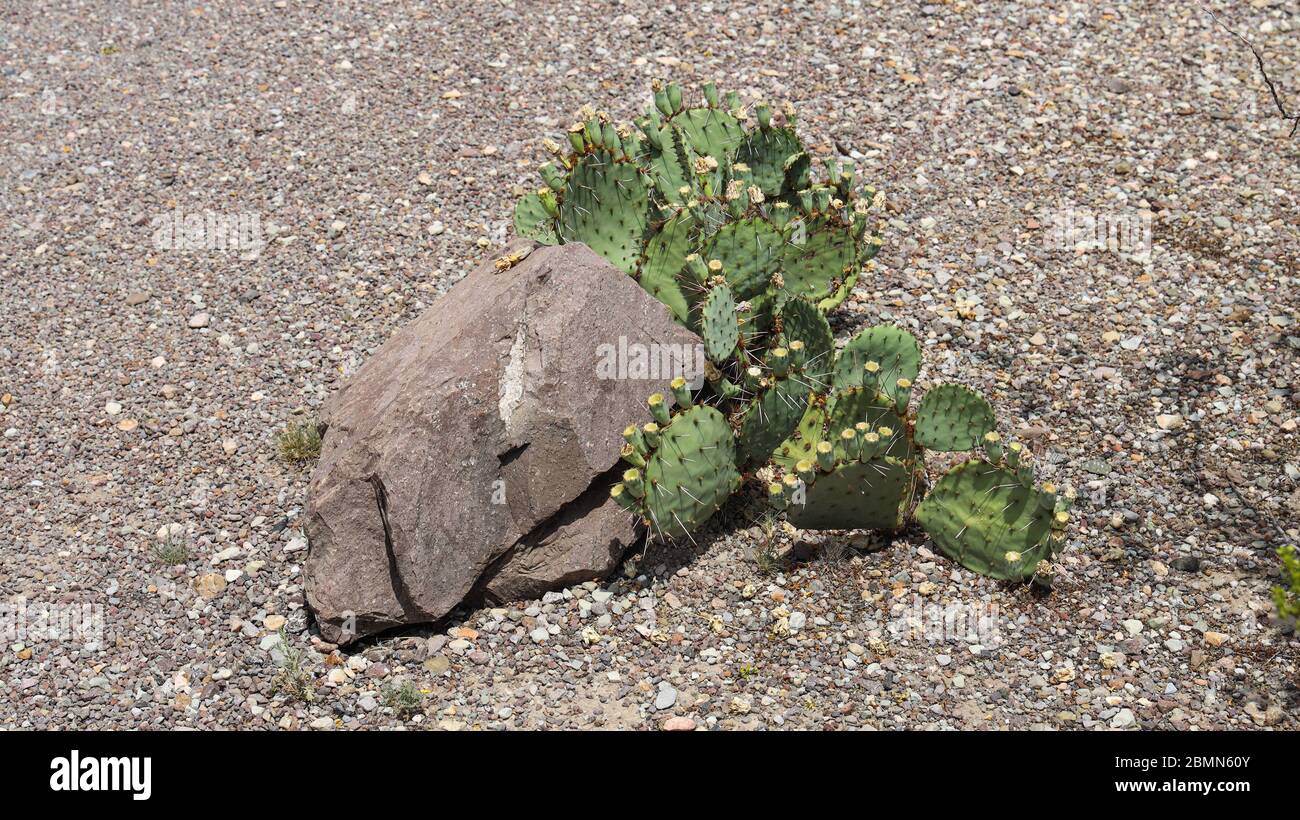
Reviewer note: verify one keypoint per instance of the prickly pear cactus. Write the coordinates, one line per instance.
(953, 418)
(773, 413)
(534, 217)
(682, 469)
(991, 521)
(750, 251)
(775, 156)
(893, 350)
(716, 209)
(802, 322)
(745, 198)
(718, 325)
(856, 460)
(875, 493)
(606, 206)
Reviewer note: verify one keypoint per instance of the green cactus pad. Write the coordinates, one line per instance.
(818, 261)
(982, 517)
(767, 151)
(671, 166)
(855, 495)
(750, 251)
(711, 132)
(606, 205)
(771, 418)
(718, 325)
(802, 442)
(665, 255)
(532, 221)
(800, 320)
(953, 418)
(691, 473)
(848, 407)
(894, 349)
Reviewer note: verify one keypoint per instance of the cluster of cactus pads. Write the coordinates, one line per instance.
(726, 225)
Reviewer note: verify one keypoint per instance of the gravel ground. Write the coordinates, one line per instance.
(380, 146)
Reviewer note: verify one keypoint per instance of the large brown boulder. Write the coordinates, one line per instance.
(472, 456)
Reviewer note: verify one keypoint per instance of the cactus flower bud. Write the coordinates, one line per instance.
(903, 396)
(1065, 500)
(776, 495)
(697, 269)
(650, 431)
(886, 440)
(993, 446)
(825, 455)
(1025, 473)
(629, 454)
(711, 95)
(1025, 467)
(675, 96)
(633, 483)
(658, 410)
(871, 375)
(552, 176)
(849, 444)
(624, 498)
(870, 446)
(807, 474)
(662, 103)
(778, 359)
(1047, 496)
(797, 353)
(632, 435)
(1012, 454)
(681, 393)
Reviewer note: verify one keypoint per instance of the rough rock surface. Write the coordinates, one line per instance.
(474, 452)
